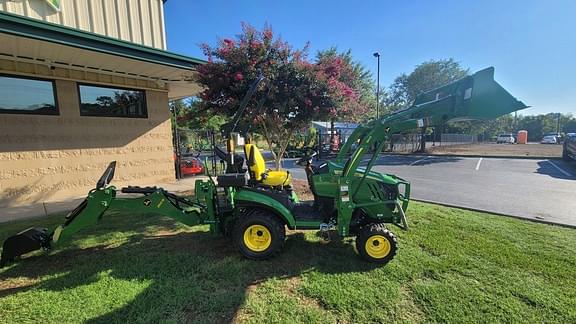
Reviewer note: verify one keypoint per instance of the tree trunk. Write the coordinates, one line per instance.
(282, 141)
(282, 147)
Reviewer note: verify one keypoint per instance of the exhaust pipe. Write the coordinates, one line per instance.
(29, 240)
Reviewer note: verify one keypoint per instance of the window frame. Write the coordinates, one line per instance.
(32, 112)
(79, 84)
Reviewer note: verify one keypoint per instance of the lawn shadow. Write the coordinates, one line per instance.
(200, 277)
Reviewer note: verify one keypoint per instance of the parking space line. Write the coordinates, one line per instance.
(419, 160)
(564, 172)
(478, 164)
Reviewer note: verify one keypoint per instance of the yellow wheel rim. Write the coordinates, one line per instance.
(257, 238)
(378, 246)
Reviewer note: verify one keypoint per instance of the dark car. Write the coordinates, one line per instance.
(569, 148)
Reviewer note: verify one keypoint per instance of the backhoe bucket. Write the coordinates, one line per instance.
(29, 240)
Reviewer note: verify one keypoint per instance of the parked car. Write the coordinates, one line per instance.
(549, 139)
(190, 165)
(569, 148)
(558, 136)
(505, 139)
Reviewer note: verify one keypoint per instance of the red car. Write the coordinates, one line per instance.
(190, 166)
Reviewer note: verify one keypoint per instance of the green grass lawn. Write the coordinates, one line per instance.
(452, 266)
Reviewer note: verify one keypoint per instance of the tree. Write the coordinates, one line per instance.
(105, 101)
(191, 116)
(297, 91)
(353, 78)
(426, 76)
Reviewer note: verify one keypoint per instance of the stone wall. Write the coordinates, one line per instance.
(52, 158)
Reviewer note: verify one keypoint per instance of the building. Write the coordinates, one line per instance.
(83, 83)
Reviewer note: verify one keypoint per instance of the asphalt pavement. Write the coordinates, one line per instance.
(537, 189)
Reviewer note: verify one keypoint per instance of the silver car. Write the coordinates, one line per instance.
(549, 139)
(505, 139)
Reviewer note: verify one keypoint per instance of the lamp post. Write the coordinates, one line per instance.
(377, 56)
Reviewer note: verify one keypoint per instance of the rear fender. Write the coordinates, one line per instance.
(245, 198)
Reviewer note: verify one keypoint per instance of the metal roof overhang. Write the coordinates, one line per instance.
(28, 39)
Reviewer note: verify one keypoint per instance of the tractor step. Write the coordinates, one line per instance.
(29, 240)
(306, 211)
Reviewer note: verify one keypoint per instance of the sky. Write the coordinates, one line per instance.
(531, 43)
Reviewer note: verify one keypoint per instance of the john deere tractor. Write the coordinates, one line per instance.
(253, 207)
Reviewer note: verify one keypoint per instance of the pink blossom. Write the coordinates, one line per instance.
(255, 44)
(239, 76)
(308, 102)
(223, 51)
(229, 42)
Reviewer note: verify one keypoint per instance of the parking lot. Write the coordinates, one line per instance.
(539, 189)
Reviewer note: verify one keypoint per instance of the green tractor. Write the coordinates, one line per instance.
(255, 206)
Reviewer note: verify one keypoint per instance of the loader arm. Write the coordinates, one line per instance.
(475, 97)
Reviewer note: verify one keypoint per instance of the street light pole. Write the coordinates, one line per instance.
(377, 56)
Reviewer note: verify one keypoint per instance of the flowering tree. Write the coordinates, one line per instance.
(352, 82)
(296, 92)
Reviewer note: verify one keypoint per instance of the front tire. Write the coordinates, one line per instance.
(259, 234)
(376, 244)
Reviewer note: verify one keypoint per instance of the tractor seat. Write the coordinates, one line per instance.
(258, 171)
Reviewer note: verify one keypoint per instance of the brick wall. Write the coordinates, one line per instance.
(52, 158)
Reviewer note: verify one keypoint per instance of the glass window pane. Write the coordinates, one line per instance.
(27, 96)
(112, 102)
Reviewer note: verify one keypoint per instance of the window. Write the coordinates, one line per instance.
(21, 95)
(111, 102)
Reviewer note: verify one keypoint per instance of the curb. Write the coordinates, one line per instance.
(534, 220)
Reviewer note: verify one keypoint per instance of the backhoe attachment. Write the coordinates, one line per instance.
(153, 200)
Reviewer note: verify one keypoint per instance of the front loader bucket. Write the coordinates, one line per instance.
(475, 97)
(489, 99)
(29, 240)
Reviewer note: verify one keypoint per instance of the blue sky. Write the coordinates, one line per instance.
(532, 44)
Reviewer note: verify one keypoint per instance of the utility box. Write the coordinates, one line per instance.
(522, 137)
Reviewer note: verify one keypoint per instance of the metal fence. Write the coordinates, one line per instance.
(404, 143)
(410, 143)
(328, 145)
(196, 146)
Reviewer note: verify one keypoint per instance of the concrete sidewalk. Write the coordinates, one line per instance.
(182, 187)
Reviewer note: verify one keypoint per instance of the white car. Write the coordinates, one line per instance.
(505, 139)
(549, 139)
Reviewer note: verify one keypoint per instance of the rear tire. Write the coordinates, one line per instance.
(376, 244)
(259, 234)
